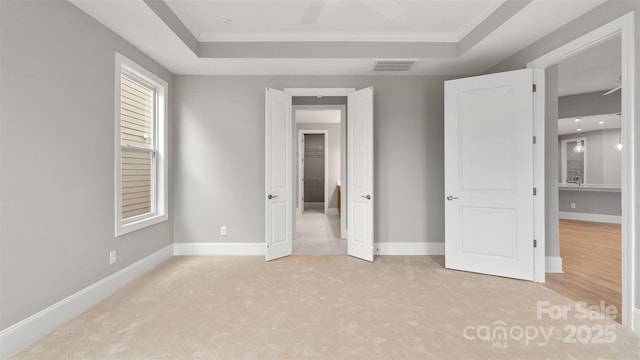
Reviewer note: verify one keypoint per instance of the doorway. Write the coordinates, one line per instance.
(312, 170)
(280, 174)
(624, 28)
(318, 218)
(589, 180)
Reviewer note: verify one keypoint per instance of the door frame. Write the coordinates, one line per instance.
(343, 143)
(624, 27)
(301, 134)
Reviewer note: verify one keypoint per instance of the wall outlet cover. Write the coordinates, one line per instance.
(113, 257)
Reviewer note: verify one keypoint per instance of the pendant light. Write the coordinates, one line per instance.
(579, 148)
(619, 143)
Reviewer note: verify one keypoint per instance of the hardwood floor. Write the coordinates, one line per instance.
(591, 256)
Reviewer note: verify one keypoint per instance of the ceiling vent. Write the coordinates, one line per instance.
(393, 65)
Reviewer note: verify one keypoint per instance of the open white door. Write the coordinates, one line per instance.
(360, 174)
(278, 164)
(489, 174)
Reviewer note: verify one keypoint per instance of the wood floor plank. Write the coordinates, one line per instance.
(592, 263)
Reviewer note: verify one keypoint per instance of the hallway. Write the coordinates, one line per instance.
(318, 233)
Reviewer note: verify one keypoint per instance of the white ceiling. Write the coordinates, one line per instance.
(595, 69)
(449, 31)
(346, 20)
(588, 123)
(308, 116)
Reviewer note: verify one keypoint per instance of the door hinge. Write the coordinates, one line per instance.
(535, 88)
(535, 243)
(535, 191)
(534, 140)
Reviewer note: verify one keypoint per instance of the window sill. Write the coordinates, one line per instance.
(123, 228)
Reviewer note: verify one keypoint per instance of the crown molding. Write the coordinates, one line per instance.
(331, 36)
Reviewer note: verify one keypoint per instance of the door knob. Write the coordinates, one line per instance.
(368, 197)
(272, 196)
(452, 198)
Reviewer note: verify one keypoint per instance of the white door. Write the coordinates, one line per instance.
(489, 174)
(360, 174)
(278, 164)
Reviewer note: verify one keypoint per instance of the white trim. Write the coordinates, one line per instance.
(184, 249)
(319, 91)
(636, 321)
(539, 202)
(23, 333)
(400, 248)
(611, 219)
(582, 43)
(409, 248)
(553, 264)
(333, 36)
(160, 191)
(333, 211)
(625, 27)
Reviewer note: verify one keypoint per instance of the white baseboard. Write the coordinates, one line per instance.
(611, 219)
(409, 248)
(553, 264)
(23, 333)
(635, 326)
(257, 248)
(402, 248)
(332, 211)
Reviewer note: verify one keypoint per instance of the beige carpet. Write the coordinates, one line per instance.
(326, 307)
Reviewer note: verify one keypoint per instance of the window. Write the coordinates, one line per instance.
(140, 165)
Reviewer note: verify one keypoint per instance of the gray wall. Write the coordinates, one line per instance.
(314, 160)
(584, 24)
(333, 159)
(590, 202)
(219, 155)
(57, 154)
(588, 104)
(604, 160)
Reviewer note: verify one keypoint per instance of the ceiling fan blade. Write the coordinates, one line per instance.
(389, 9)
(312, 13)
(612, 91)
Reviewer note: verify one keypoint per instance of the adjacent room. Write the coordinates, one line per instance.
(356, 179)
(319, 138)
(589, 176)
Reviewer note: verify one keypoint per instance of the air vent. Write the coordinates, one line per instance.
(393, 65)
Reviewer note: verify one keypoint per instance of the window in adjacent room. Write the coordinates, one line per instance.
(141, 176)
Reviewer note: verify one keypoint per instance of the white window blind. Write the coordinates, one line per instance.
(138, 147)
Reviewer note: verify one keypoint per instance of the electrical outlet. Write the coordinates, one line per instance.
(223, 230)
(112, 257)
(573, 205)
